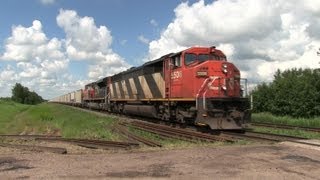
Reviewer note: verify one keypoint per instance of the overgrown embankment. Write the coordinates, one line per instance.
(53, 119)
(287, 120)
(69, 122)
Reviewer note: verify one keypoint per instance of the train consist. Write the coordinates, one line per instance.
(195, 86)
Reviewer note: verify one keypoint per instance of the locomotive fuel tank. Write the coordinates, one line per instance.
(141, 110)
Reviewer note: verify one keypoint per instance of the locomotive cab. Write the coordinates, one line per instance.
(205, 75)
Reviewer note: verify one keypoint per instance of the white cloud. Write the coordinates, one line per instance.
(47, 2)
(37, 60)
(86, 41)
(42, 64)
(258, 36)
(142, 39)
(24, 42)
(8, 74)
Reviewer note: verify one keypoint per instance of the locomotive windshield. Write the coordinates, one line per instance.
(190, 58)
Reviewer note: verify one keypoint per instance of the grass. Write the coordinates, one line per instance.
(8, 110)
(269, 118)
(53, 119)
(167, 142)
(174, 143)
(298, 133)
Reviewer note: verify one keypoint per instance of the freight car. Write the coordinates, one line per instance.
(193, 86)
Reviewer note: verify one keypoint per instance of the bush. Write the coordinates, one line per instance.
(294, 92)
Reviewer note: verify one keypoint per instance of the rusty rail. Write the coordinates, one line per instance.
(132, 136)
(93, 143)
(57, 150)
(283, 126)
(183, 134)
(27, 136)
(89, 143)
(270, 137)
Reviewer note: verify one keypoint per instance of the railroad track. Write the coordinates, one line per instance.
(122, 130)
(28, 136)
(269, 137)
(96, 144)
(282, 126)
(88, 143)
(176, 133)
(57, 150)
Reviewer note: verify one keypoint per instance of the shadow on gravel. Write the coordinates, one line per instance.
(11, 164)
(298, 158)
(155, 170)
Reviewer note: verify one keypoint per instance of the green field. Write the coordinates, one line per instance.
(53, 119)
(56, 119)
(269, 118)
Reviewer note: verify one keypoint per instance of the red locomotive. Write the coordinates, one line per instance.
(194, 86)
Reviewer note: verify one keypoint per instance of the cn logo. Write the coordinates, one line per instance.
(213, 79)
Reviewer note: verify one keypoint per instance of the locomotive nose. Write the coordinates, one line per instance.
(223, 78)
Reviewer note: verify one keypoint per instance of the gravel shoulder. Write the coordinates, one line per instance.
(278, 161)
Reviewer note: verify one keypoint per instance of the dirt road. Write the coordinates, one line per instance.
(280, 161)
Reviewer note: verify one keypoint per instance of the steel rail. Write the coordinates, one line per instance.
(283, 126)
(132, 136)
(93, 143)
(163, 134)
(272, 137)
(171, 132)
(187, 134)
(36, 148)
(28, 136)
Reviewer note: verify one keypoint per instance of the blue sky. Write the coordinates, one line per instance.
(126, 19)
(57, 46)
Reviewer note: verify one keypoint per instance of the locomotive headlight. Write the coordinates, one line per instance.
(225, 71)
(224, 68)
(224, 88)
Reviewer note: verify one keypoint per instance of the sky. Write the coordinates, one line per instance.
(56, 46)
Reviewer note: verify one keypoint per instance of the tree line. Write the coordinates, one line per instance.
(294, 92)
(22, 95)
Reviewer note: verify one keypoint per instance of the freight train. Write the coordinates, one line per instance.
(194, 86)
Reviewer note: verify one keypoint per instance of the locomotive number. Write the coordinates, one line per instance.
(176, 75)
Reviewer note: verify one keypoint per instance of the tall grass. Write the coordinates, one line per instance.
(8, 111)
(290, 132)
(53, 119)
(269, 118)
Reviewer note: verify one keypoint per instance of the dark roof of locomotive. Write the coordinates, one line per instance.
(132, 69)
(149, 63)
